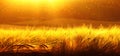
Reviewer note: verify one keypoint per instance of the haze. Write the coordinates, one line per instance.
(35, 12)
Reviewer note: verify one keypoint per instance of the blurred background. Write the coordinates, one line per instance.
(59, 12)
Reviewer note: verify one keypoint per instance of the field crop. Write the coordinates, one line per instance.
(60, 41)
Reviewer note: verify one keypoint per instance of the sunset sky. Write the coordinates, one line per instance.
(54, 11)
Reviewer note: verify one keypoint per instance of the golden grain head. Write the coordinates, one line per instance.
(71, 37)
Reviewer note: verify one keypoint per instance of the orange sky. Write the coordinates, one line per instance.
(40, 10)
(32, 8)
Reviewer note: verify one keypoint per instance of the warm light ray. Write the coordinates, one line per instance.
(36, 2)
(35, 7)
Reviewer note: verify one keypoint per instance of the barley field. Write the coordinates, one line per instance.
(61, 41)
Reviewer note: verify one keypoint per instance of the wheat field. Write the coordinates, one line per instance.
(60, 39)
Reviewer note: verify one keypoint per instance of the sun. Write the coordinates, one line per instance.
(35, 7)
(35, 1)
(36, 4)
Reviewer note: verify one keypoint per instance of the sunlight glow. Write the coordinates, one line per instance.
(34, 2)
(36, 6)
